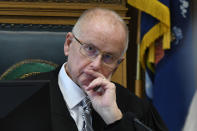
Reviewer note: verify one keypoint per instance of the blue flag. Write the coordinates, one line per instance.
(174, 74)
(171, 78)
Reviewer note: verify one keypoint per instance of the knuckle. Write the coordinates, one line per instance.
(112, 85)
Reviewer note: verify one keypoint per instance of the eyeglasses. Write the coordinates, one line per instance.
(92, 52)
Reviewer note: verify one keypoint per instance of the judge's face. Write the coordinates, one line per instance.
(96, 50)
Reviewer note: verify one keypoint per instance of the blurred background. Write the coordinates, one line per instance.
(160, 62)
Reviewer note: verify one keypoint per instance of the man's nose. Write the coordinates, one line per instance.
(96, 62)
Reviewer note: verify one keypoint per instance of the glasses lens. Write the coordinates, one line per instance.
(108, 58)
(90, 50)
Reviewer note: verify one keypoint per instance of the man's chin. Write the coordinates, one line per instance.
(85, 80)
(84, 84)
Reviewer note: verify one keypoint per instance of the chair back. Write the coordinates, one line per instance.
(27, 68)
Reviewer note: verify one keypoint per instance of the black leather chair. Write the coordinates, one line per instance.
(19, 44)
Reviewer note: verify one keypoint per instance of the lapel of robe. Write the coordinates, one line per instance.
(97, 122)
(60, 116)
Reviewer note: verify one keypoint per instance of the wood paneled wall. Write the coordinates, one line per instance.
(64, 12)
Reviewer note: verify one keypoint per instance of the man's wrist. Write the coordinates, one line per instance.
(111, 115)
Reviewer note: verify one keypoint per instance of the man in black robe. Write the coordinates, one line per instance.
(95, 48)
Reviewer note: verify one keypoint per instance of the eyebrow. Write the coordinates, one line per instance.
(90, 43)
(111, 53)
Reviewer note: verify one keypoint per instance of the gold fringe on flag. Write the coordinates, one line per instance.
(162, 13)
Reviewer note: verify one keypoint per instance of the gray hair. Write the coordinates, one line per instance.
(98, 11)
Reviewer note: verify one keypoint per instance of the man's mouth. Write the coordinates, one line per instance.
(88, 79)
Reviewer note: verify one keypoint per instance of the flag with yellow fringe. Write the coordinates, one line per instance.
(160, 29)
(166, 24)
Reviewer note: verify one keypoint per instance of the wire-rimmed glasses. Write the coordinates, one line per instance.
(92, 52)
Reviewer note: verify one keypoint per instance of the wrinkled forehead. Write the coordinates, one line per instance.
(105, 25)
(111, 37)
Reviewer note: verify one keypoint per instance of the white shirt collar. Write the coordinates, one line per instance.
(72, 93)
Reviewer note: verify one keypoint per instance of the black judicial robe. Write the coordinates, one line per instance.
(46, 110)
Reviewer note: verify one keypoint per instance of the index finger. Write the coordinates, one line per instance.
(94, 73)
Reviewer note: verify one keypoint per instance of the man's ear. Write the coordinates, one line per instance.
(67, 43)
